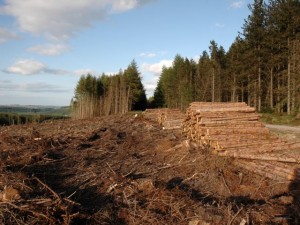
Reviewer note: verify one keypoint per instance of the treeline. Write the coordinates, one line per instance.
(261, 68)
(16, 118)
(109, 94)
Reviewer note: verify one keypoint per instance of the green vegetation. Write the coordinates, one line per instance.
(28, 114)
(28, 110)
(15, 118)
(105, 95)
(280, 119)
(261, 68)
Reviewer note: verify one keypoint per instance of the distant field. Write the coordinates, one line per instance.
(45, 110)
(27, 114)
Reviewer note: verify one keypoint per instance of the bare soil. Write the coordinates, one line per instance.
(128, 170)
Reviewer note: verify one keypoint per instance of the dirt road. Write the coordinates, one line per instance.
(286, 132)
(283, 128)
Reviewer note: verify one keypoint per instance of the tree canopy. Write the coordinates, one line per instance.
(261, 67)
(109, 94)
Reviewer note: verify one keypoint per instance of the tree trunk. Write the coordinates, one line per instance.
(259, 89)
(259, 81)
(271, 89)
(233, 97)
(249, 91)
(213, 86)
(289, 82)
(255, 94)
(293, 77)
(289, 89)
(242, 92)
(278, 104)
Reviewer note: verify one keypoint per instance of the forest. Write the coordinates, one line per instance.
(106, 95)
(261, 68)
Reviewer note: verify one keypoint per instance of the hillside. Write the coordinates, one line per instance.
(35, 109)
(126, 169)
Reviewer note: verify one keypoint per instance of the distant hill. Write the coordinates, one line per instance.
(36, 109)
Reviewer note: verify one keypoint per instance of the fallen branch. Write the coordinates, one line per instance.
(233, 218)
(47, 187)
(37, 214)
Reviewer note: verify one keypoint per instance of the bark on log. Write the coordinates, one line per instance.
(234, 130)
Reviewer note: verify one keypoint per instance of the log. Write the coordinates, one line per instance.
(234, 130)
(168, 118)
(282, 157)
(272, 170)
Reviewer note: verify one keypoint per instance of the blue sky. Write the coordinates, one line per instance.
(46, 45)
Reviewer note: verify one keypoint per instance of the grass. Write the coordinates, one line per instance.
(280, 119)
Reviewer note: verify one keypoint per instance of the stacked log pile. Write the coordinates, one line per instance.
(153, 114)
(172, 119)
(167, 118)
(270, 169)
(234, 130)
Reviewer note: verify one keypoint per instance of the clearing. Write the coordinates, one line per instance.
(125, 169)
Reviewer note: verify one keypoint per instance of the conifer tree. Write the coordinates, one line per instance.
(254, 33)
(158, 98)
(137, 94)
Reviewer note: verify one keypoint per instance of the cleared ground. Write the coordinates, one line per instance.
(127, 170)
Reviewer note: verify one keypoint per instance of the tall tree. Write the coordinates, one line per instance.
(137, 94)
(203, 78)
(254, 33)
(159, 98)
(284, 27)
(213, 48)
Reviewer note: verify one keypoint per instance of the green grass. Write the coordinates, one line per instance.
(280, 119)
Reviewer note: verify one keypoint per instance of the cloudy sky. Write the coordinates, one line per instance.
(45, 45)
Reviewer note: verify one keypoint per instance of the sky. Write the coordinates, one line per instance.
(46, 45)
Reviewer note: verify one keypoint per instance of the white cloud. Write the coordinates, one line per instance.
(49, 49)
(196, 58)
(110, 73)
(156, 68)
(26, 67)
(150, 86)
(6, 35)
(31, 87)
(41, 87)
(31, 67)
(85, 72)
(81, 72)
(59, 20)
(147, 54)
(237, 4)
(56, 71)
(152, 54)
(123, 5)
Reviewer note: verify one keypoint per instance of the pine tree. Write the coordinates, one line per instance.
(283, 29)
(137, 95)
(203, 78)
(237, 70)
(159, 98)
(254, 33)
